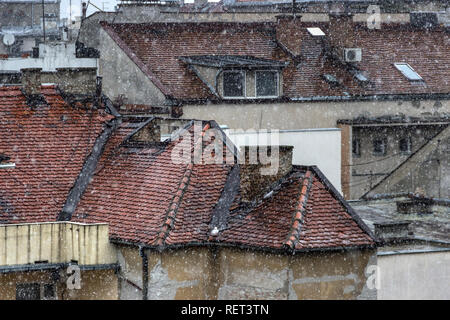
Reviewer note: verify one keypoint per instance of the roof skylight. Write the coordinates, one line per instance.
(315, 32)
(408, 71)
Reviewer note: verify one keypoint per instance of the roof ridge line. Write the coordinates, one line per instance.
(299, 213)
(175, 203)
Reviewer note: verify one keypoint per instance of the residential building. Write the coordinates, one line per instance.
(22, 25)
(139, 219)
(383, 145)
(285, 75)
(414, 252)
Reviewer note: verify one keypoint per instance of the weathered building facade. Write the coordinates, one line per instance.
(140, 220)
(22, 25)
(295, 75)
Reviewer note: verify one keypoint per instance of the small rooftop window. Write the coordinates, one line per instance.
(315, 32)
(331, 79)
(408, 71)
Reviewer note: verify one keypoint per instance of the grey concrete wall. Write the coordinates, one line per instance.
(122, 76)
(306, 115)
(381, 165)
(414, 276)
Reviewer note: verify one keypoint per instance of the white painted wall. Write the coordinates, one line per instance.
(51, 56)
(320, 147)
(414, 276)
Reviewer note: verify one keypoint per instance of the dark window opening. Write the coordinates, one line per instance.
(49, 291)
(356, 147)
(379, 147)
(233, 84)
(404, 145)
(28, 291)
(266, 84)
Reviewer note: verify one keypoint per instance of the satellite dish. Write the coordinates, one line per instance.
(8, 39)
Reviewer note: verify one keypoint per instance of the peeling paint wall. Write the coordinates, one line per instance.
(95, 285)
(203, 273)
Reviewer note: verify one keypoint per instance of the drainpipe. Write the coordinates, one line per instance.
(144, 256)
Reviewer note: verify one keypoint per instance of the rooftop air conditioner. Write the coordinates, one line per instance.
(352, 54)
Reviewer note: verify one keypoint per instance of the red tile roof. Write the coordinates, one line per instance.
(303, 214)
(155, 48)
(148, 199)
(49, 145)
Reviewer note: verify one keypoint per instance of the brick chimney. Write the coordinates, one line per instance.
(289, 33)
(341, 32)
(31, 81)
(260, 167)
(148, 134)
(83, 10)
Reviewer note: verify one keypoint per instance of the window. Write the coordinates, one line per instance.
(266, 84)
(404, 145)
(35, 291)
(233, 84)
(28, 291)
(379, 147)
(356, 147)
(408, 72)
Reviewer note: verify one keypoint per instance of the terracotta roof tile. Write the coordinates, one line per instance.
(48, 144)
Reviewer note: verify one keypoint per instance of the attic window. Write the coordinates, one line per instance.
(331, 80)
(408, 71)
(266, 83)
(233, 84)
(361, 77)
(404, 145)
(379, 147)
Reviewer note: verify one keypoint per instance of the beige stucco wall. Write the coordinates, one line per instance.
(305, 115)
(55, 242)
(414, 276)
(202, 273)
(95, 285)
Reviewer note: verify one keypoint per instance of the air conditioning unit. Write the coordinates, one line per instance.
(352, 54)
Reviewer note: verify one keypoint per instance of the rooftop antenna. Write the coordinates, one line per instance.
(43, 19)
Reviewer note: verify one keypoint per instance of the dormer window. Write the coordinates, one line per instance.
(234, 84)
(266, 84)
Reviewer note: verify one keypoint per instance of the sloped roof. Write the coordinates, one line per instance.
(48, 144)
(148, 199)
(304, 212)
(156, 47)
